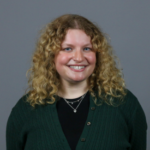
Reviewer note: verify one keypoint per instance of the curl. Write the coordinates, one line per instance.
(43, 78)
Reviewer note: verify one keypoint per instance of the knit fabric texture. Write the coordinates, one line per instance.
(72, 123)
(106, 128)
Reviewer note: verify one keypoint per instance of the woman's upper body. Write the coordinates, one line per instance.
(105, 127)
(72, 57)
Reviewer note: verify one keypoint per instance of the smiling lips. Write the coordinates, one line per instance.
(77, 68)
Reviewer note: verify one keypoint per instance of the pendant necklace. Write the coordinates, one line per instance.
(80, 99)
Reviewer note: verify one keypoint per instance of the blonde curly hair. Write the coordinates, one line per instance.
(43, 78)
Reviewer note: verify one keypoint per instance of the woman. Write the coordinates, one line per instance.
(77, 97)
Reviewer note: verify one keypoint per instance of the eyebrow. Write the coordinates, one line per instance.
(67, 44)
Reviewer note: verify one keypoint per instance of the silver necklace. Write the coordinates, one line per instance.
(75, 109)
(72, 102)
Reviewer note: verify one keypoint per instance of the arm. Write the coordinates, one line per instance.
(138, 129)
(12, 134)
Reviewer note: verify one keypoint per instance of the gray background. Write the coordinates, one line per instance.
(126, 22)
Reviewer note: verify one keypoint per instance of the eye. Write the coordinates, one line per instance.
(87, 48)
(67, 49)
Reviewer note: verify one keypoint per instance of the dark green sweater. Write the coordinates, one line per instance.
(107, 127)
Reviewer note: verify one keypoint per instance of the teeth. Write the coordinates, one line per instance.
(77, 67)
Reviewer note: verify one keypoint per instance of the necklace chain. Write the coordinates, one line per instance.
(75, 109)
(72, 102)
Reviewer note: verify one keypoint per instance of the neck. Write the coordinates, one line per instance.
(72, 90)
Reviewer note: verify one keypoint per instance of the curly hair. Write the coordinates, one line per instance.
(44, 80)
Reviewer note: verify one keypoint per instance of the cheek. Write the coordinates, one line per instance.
(61, 59)
(92, 58)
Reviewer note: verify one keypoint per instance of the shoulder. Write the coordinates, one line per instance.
(22, 106)
(132, 109)
(129, 109)
(19, 116)
(24, 112)
(130, 102)
(130, 98)
(21, 112)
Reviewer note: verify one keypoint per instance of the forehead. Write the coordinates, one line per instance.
(76, 36)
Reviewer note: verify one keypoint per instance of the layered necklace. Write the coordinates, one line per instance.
(72, 102)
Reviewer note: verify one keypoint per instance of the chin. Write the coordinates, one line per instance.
(77, 80)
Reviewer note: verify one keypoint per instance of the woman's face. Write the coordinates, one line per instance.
(76, 60)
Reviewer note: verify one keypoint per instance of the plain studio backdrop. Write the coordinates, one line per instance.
(126, 22)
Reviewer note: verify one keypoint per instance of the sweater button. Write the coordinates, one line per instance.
(92, 108)
(82, 139)
(88, 123)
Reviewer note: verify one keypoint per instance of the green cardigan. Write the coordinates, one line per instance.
(106, 128)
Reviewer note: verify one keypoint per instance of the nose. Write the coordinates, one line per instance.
(78, 55)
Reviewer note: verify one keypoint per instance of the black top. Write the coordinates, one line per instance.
(73, 123)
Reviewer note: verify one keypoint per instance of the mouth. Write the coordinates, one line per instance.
(77, 68)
